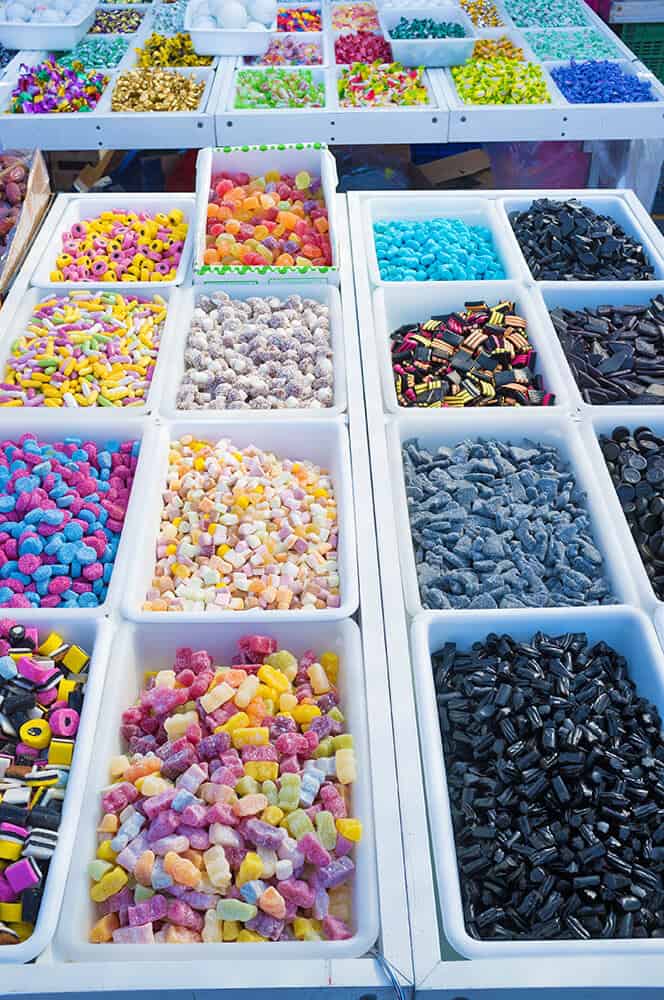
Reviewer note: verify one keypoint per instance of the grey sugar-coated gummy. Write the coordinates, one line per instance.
(499, 525)
(260, 353)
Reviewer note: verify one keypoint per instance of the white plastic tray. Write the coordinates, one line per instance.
(627, 630)
(93, 635)
(89, 207)
(319, 74)
(189, 298)
(324, 442)
(138, 648)
(224, 41)
(430, 51)
(394, 306)
(19, 35)
(542, 427)
(321, 39)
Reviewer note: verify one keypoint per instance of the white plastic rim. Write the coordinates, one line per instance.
(324, 442)
(313, 157)
(627, 630)
(89, 206)
(430, 51)
(604, 204)
(394, 306)
(138, 648)
(578, 295)
(16, 325)
(471, 210)
(543, 427)
(47, 426)
(93, 635)
(188, 298)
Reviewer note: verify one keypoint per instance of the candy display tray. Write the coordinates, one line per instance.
(439, 973)
(389, 960)
(17, 35)
(321, 38)
(430, 52)
(225, 41)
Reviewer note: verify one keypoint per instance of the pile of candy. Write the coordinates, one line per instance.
(289, 50)
(435, 250)
(241, 529)
(484, 530)
(480, 356)
(41, 12)
(122, 246)
(42, 684)
(427, 27)
(234, 15)
(14, 171)
(570, 808)
(597, 82)
(168, 18)
(230, 822)
(567, 240)
(379, 86)
(85, 349)
(95, 53)
(299, 19)
(500, 81)
(116, 22)
(258, 354)
(547, 13)
(155, 89)
(356, 16)
(497, 48)
(483, 13)
(62, 508)
(269, 219)
(176, 50)
(278, 88)
(581, 43)
(49, 88)
(362, 47)
(616, 353)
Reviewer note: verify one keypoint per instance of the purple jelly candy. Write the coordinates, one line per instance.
(177, 763)
(335, 929)
(181, 913)
(148, 911)
(338, 871)
(313, 850)
(163, 824)
(265, 925)
(213, 746)
(263, 834)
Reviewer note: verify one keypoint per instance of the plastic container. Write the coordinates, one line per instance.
(189, 298)
(140, 648)
(627, 630)
(543, 427)
(93, 635)
(90, 206)
(324, 442)
(604, 204)
(394, 306)
(16, 325)
(310, 37)
(647, 43)
(430, 51)
(318, 75)
(226, 41)
(53, 35)
(473, 211)
(287, 158)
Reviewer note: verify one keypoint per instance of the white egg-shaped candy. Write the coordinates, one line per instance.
(263, 10)
(233, 15)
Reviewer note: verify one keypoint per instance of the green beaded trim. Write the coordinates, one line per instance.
(263, 147)
(257, 269)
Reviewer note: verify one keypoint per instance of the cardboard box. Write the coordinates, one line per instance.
(471, 169)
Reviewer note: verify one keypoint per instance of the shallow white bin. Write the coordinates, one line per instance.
(90, 206)
(394, 306)
(553, 429)
(430, 51)
(53, 35)
(138, 648)
(226, 41)
(627, 630)
(189, 298)
(324, 442)
(94, 635)
(319, 74)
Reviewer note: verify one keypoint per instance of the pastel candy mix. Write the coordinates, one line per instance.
(62, 508)
(228, 817)
(357, 16)
(299, 19)
(278, 88)
(287, 50)
(271, 219)
(85, 349)
(42, 683)
(123, 246)
(242, 528)
(378, 85)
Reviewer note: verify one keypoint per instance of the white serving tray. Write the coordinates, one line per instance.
(189, 298)
(430, 51)
(324, 442)
(226, 41)
(21, 35)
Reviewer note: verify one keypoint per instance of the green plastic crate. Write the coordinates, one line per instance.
(647, 43)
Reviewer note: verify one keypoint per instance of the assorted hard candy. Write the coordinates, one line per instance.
(635, 460)
(501, 525)
(579, 43)
(361, 47)
(229, 818)
(172, 50)
(168, 18)
(243, 528)
(116, 22)
(547, 13)
(497, 48)
(381, 85)
(503, 80)
(600, 82)
(569, 241)
(556, 815)
(444, 249)
(355, 16)
(234, 15)
(262, 353)
(156, 89)
(289, 50)
(615, 351)
(299, 19)
(478, 356)
(49, 88)
(483, 13)
(426, 27)
(278, 88)
(14, 172)
(42, 685)
(96, 52)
